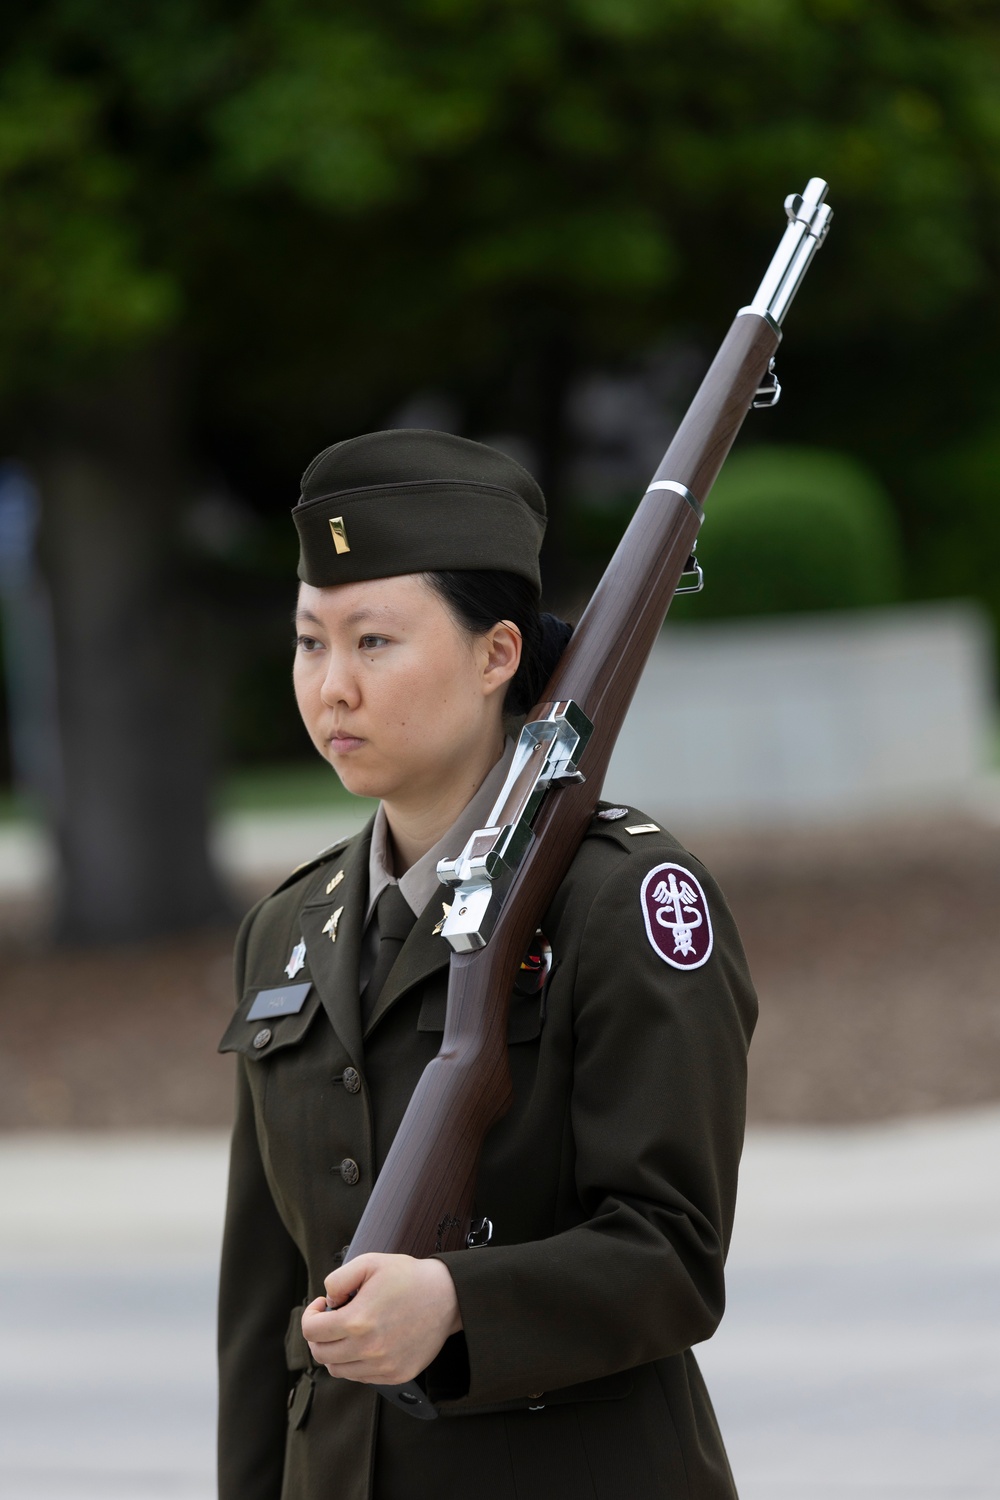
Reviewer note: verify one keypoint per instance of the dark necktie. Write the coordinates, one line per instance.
(394, 920)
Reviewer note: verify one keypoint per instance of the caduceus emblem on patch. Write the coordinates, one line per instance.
(676, 914)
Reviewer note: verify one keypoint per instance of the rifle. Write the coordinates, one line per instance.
(508, 873)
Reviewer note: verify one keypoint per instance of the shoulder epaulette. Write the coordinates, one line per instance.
(626, 825)
(314, 863)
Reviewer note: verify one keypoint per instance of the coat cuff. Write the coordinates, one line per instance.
(447, 1376)
(494, 1354)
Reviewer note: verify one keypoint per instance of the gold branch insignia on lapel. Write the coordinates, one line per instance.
(447, 912)
(332, 923)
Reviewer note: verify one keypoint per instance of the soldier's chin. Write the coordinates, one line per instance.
(355, 778)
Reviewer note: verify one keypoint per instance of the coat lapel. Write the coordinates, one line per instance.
(333, 964)
(422, 954)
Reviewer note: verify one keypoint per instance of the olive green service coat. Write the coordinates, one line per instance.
(610, 1183)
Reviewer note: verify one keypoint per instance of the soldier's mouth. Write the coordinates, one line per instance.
(342, 744)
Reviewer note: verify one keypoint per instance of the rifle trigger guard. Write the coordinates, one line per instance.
(546, 756)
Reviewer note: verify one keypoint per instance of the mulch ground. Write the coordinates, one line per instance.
(876, 953)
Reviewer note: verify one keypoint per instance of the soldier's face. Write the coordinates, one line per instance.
(394, 693)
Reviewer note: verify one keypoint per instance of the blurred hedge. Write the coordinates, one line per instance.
(791, 529)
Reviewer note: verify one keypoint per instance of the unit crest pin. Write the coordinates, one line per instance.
(612, 814)
(332, 923)
(297, 960)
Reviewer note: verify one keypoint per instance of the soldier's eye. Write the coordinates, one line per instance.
(369, 642)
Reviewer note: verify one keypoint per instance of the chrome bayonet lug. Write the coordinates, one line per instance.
(693, 572)
(769, 390)
(808, 222)
(546, 756)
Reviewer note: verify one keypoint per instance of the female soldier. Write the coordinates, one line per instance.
(559, 1356)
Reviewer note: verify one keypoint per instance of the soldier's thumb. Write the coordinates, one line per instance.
(342, 1284)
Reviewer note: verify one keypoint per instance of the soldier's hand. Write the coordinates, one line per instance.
(384, 1318)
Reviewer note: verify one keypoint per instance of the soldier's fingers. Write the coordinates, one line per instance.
(342, 1284)
(319, 1326)
(377, 1372)
(339, 1354)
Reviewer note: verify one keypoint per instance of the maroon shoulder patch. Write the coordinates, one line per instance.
(678, 923)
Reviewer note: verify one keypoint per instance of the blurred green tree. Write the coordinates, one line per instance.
(234, 231)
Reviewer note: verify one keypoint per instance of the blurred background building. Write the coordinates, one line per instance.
(232, 235)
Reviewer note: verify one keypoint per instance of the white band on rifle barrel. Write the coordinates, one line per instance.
(678, 489)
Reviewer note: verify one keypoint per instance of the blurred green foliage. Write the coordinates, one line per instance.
(319, 209)
(954, 518)
(792, 529)
(286, 175)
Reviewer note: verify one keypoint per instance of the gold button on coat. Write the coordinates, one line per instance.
(351, 1080)
(349, 1171)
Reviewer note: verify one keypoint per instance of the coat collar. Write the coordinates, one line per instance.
(333, 965)
(424, 952)
(420, 883)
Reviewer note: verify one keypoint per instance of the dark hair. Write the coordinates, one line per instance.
(479, 599)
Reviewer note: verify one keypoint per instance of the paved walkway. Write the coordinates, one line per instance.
(860, 1355)
(859, 1359)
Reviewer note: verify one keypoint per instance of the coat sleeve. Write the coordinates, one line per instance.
(262, 1278)
(657, 1116)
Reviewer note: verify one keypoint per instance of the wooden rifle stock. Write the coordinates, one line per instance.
(423, 1199)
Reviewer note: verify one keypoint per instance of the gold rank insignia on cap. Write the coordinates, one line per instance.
(335, 882)
(339, 534)
(643, 828)
(332, 924)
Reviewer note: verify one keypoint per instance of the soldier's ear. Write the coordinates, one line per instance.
(502, 647)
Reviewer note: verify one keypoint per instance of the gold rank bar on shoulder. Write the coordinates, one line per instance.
(643, 828)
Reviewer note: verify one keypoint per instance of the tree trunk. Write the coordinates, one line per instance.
(135, 695)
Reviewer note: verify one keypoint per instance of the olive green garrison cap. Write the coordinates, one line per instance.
(410, 501)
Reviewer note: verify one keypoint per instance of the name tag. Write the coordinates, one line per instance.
(286, 1000)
